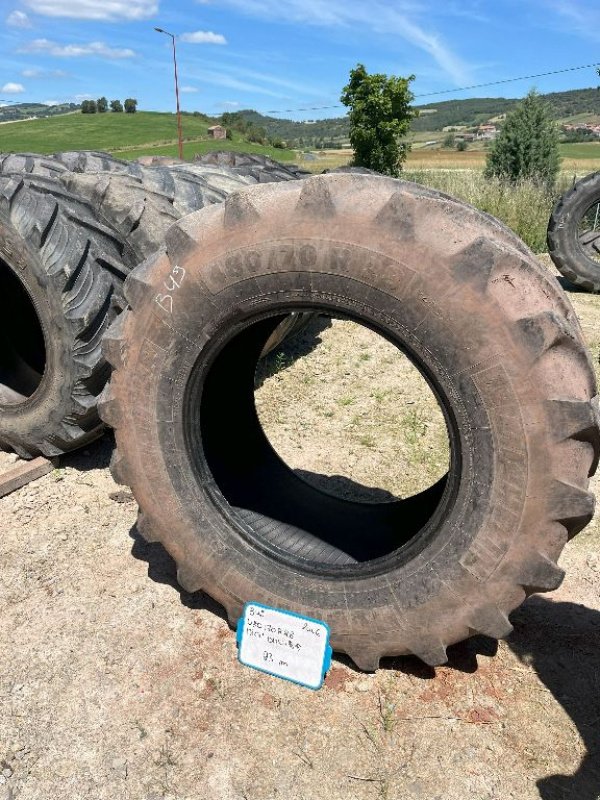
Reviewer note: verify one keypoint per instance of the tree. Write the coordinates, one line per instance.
(380, 115)
(130, 105)
(449, 140)
(461, 145)
(89, 107)
(102, 105)
(116, 106)
(527, 145)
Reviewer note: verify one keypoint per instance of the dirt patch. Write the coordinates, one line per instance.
(116, 684)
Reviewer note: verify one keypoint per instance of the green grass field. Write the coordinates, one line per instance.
(126, 135)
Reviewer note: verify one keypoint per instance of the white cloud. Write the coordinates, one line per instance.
(188, 89)
(382, 17)
(44, 73)
(18, 19)
(95, 9)
(12, 88)
(228, 104)
(203, 37)
(98, 49)
(51, 102)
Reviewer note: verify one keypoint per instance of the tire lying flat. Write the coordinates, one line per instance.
(61, 272)
(498, 342)
(577, 254)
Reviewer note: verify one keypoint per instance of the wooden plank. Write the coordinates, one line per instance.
(24, 473)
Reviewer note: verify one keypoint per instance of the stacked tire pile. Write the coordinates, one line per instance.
(72, 227)
(493, 334)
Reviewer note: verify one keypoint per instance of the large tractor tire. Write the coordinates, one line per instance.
(574, 234)
(142, 209)
(496, 340)
(262, 168)
(32, 164)
(61, 273)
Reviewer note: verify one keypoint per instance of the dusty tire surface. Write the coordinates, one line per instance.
(262, 168)
(31, 163)
(497, 341)
(61, 274)
(96, 161)
(140, 215)
(577, 254)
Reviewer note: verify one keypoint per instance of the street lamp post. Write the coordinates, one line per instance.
(179, 133)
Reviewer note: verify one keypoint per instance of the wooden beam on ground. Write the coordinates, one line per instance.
(24, 473)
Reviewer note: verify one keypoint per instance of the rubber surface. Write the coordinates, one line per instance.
(262, 168)
(564, 245)
(498, 340)
(61, 272)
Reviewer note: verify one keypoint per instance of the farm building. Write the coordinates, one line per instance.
(217, 132)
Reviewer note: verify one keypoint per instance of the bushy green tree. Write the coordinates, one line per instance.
(130, 105)
(102, 105)
(527, 145)
(116, 106)
(380, 115)
(89, 107)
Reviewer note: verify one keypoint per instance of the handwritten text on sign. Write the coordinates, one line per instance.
(284, 644)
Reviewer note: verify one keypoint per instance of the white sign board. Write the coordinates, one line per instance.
(284, 644)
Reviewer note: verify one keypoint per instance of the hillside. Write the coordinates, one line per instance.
(18, 111)
(128, 135)
(434, 117)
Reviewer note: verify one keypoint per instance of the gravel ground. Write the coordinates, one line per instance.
(114, 683)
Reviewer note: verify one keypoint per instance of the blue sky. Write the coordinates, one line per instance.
(275, 55)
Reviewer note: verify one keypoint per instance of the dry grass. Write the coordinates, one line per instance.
(524, 207)
(382, 423)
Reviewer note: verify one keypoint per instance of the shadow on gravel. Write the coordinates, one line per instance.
(572, 288)
(561, 642)
(95, 455)
(162, 569)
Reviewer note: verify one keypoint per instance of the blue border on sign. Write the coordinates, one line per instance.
(326, 655)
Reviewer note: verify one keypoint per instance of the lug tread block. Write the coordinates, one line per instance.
(430, 649)
(579, 420)
(180, 240)
(315, 200)
(545, 331)
(113, 344)
(572, 506)
(475, 264)
(366, 659)
(398, 215)
(540, 574)
(108, 408)
(137, 289)
(145, 528)
(118, 469)
(239, 210)
(188, 580)
(490, 621)
(234, 610)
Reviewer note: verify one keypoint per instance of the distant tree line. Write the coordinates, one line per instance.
(101, 106)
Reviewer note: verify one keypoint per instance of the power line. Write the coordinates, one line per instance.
(449, 91)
